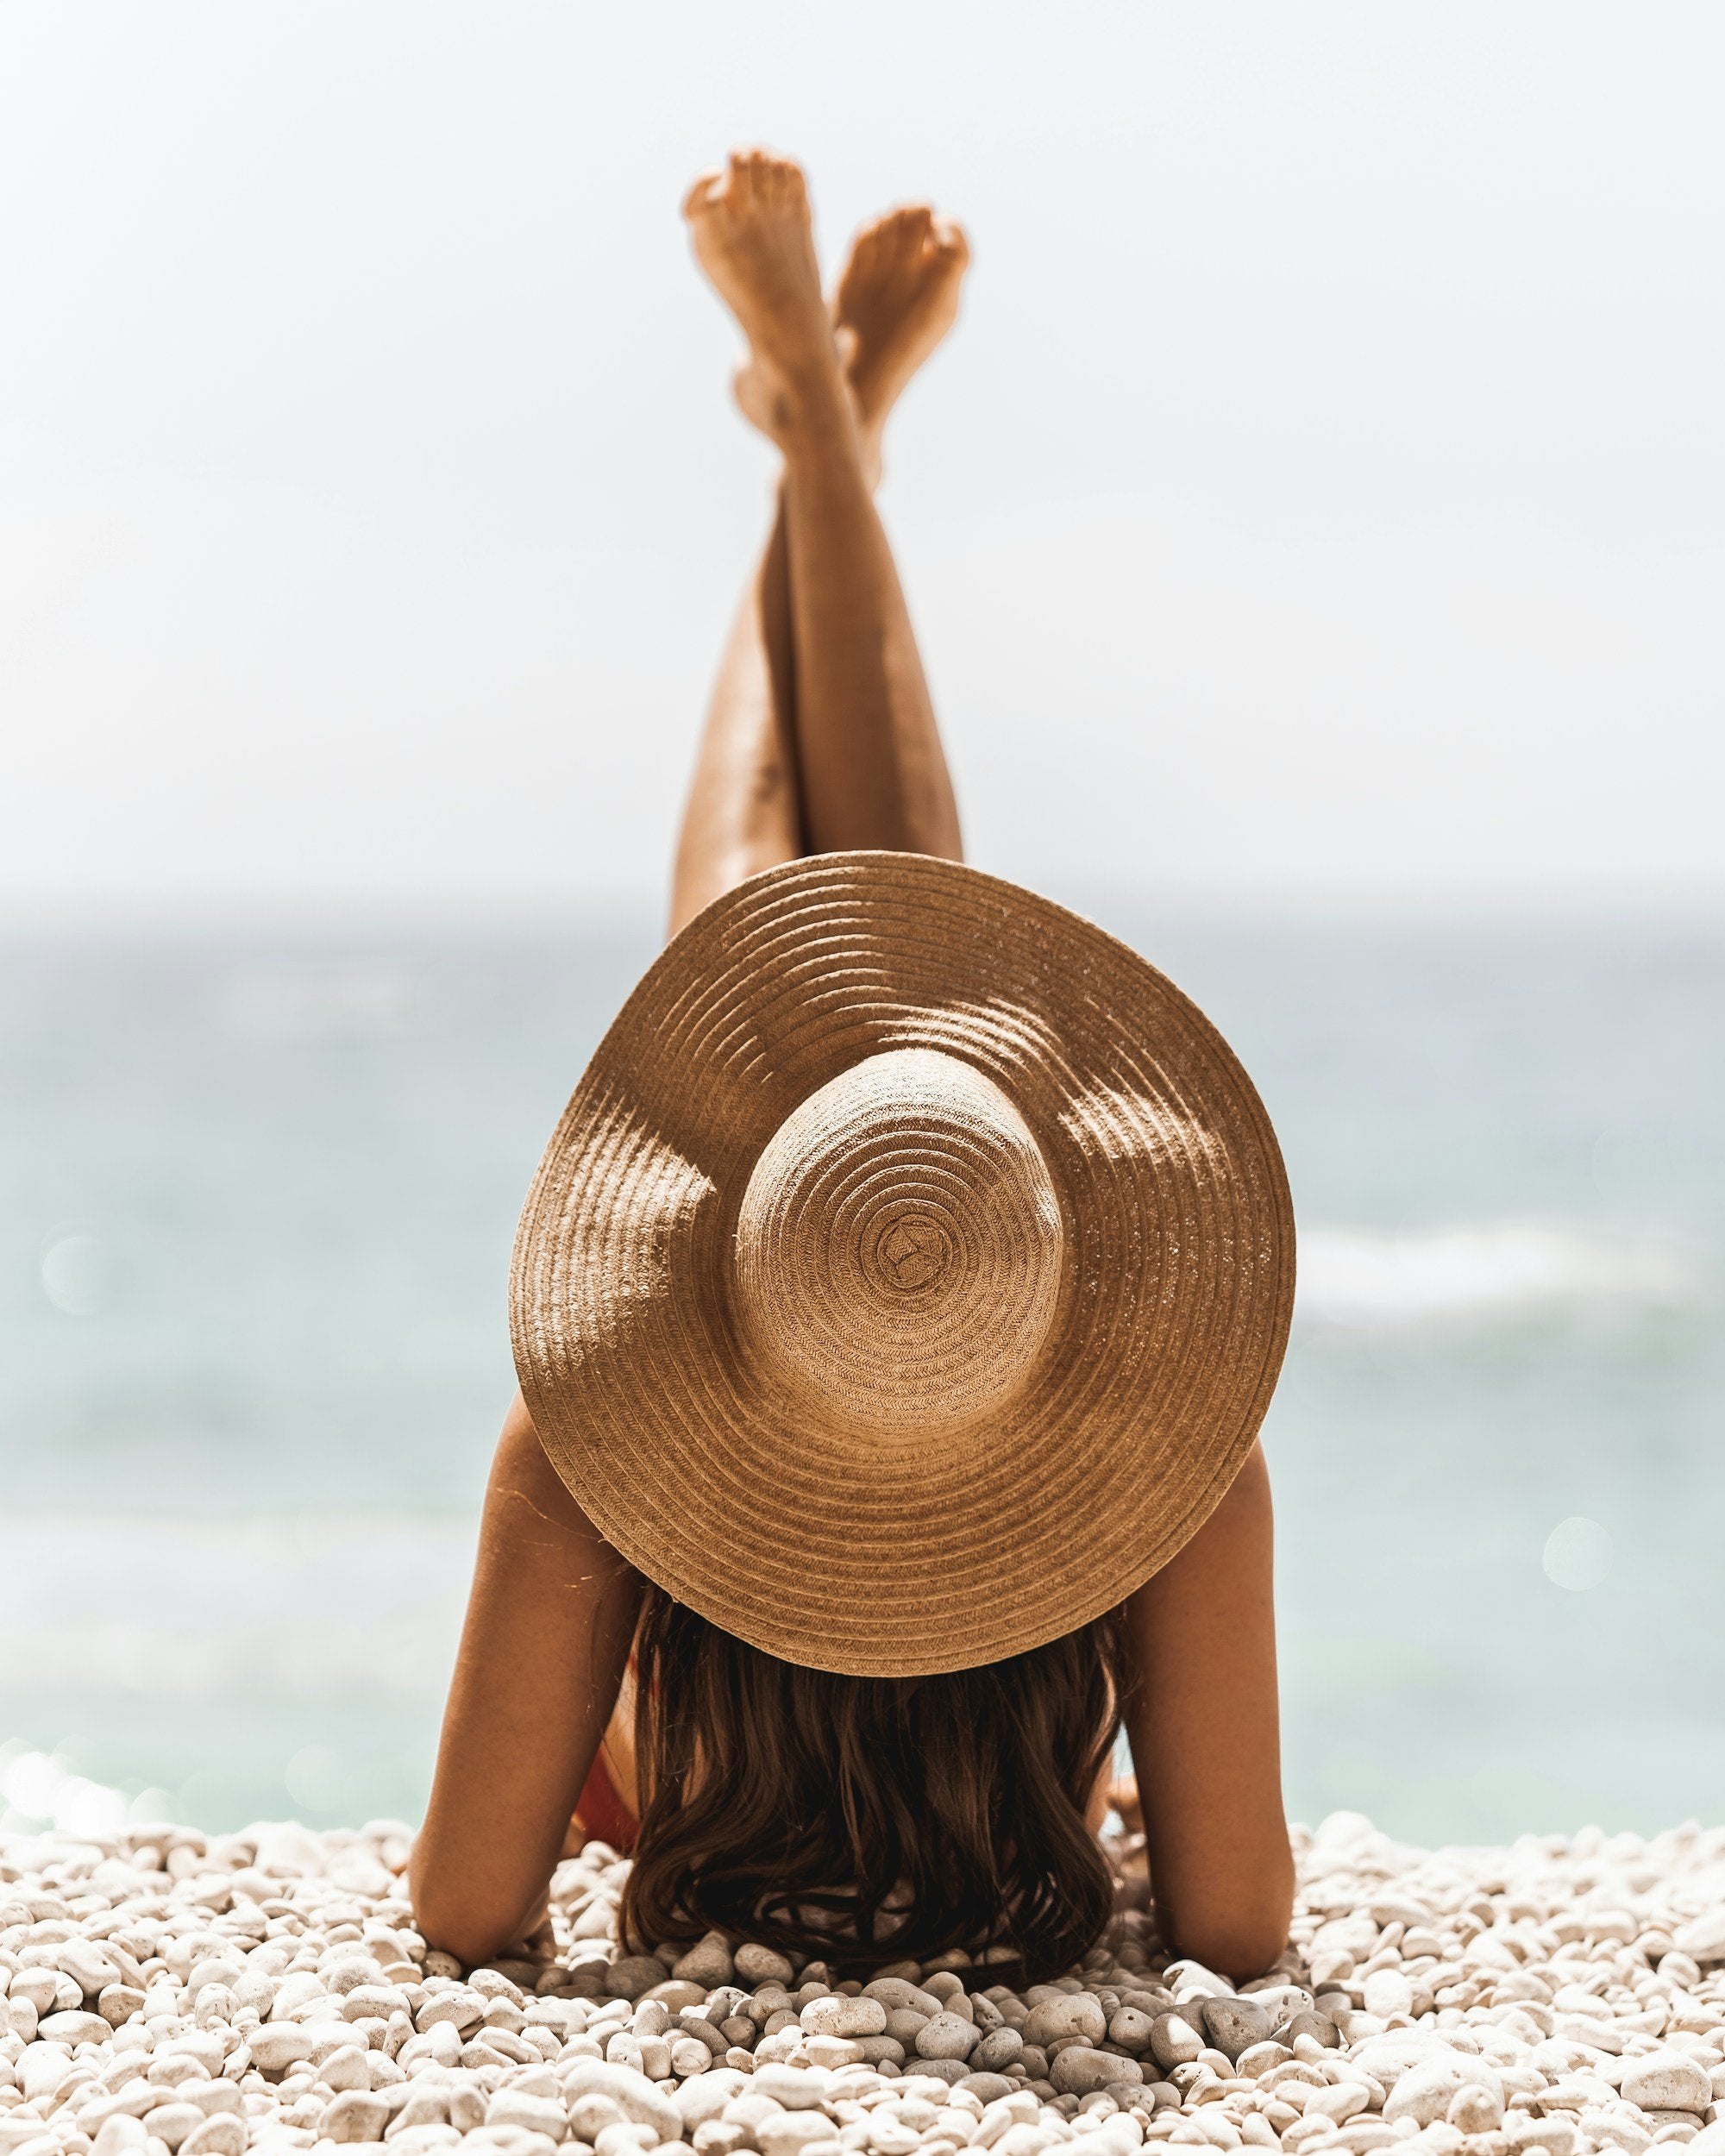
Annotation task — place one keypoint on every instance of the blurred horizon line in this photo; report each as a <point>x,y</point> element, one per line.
<point>1691,902</point>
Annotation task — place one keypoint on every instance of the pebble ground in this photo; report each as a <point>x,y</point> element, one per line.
<point>172,1993</point>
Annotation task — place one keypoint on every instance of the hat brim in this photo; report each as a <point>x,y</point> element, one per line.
<point>1175,1301</point>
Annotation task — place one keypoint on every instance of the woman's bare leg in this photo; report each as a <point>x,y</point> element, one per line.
<point>866,754</point>
<point>743,812</point>
<point>873,770</point>
<point>896,298</point>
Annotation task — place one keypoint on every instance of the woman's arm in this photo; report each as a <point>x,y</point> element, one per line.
<point>1206,1741</point>
<point>549,1627</point>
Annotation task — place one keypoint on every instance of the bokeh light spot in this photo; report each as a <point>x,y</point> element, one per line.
<point>315,1779</point>
<point>74,1276</point>
<point>1579,1554</point>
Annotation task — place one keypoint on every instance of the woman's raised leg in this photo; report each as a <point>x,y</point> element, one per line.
<point>744,813</point>
<point>895,300</point>
<point>866,754</point>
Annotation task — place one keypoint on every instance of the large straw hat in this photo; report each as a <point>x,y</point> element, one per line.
<point>909,1275</point>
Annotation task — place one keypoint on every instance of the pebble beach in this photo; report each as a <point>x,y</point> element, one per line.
<point>174,1994</point>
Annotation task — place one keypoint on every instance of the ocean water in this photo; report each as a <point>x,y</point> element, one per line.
<point>257,1189</point>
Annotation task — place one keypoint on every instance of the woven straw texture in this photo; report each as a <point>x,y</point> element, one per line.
<point>908,1275</point>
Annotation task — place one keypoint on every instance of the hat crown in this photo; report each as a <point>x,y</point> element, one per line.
<point>898,1249</point>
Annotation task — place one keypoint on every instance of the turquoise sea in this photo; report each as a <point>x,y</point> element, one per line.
<point>257,1188</point>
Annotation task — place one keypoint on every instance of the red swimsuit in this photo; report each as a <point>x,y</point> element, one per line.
<point>602,1811</point>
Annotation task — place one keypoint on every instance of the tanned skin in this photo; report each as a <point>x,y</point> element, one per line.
<point>820,736</point>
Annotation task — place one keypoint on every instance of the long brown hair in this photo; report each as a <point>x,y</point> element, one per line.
<point>868,1821</point>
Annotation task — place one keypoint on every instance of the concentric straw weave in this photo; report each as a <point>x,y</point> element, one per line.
<point>909,1274</point>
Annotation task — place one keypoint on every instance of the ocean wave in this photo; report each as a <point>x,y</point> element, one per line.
<point>1358,1279</point>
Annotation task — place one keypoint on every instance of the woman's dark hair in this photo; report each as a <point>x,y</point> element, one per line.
<point>865,1820</point>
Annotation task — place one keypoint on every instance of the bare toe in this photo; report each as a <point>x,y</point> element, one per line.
<point>949,237</point>
<point>702,193</point>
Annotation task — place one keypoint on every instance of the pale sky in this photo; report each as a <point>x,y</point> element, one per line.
<point>1323,487</point>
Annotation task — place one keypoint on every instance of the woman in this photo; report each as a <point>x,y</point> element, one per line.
<point>889,1763</point>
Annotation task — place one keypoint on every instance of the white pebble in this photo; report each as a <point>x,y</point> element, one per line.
<point>347,2067</point>
<point>75,2027</point>
<point>795,2132</point>
<point>42,2068</point>
<point>118,2135</point>
<point>1666,2081</point>
<point>1475,2110</point>
<point>947,2036</point>
<point>39,1986</point>
<point>275,2046</point>
<point>538,2114</point>
<point>838,2016</point>
<point>89,1964</point>
<point>1079,2014</point>
<point>222,2133</point>
<point>172,2123</point>
<point>1079,2071</point>
<point>354,2115</point>
<point>461,2009</point>
<point>1388,1993</point>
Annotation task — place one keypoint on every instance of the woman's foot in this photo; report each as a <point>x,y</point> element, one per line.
<point>754,237</point>
<point>896,298</point>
